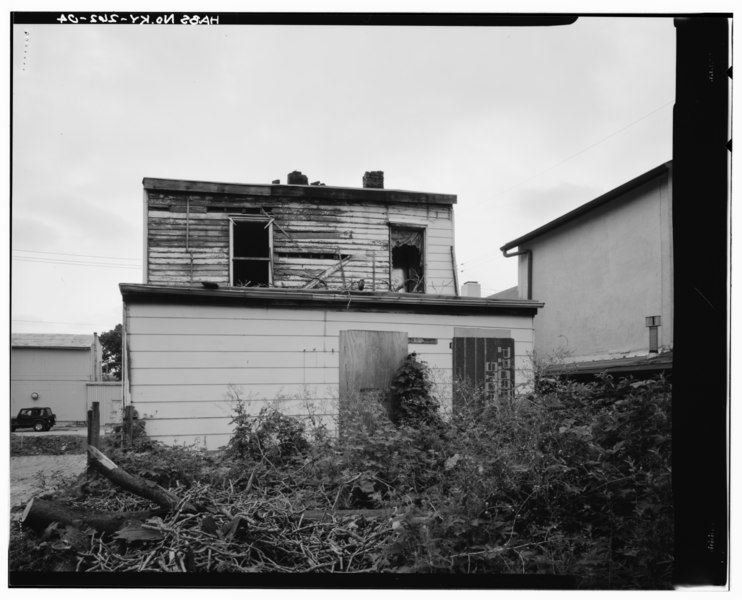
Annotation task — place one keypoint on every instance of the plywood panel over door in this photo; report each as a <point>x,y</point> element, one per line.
<point>482,367</point>
<point>368,361</point>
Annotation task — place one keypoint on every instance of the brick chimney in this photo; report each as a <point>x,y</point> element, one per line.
<point>297,178</point>
<point>373,179</point>
<point>472,289</point>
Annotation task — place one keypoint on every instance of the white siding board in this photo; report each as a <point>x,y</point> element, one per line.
<point>231,359</point>
<point>226,327</point>
<point>217,343</point>
<point>223,312</point>
<point>224,409</point>
<point>237,376</point>
<point>221,393</point>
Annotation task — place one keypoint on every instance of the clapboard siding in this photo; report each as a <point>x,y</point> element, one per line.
<point>234,359</point>
<point>216,410</point>
<point>186,362</point>
<point>186,243</point>
<point>215,343</point>
<point>182,394</point>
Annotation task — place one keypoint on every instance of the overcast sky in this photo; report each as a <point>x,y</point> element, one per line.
<point>522,124</point>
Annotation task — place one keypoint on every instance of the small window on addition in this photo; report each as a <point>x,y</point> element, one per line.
<point>407,259</point>
<point>251,251</point>
<point>653,323</point>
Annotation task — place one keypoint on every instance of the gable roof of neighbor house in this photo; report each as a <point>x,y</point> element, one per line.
<point>615,194</point>
<point>51,340</point>
<point>508,294</point>
<point>326,299</point>
<point>325,193</point>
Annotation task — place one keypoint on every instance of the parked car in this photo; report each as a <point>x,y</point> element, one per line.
<point>38,419</point>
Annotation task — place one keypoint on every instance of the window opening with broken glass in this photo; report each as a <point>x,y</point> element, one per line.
<point>252,252</point>
<point>407,259</point>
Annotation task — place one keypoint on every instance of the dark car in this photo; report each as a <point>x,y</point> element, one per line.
<point>38,419</point>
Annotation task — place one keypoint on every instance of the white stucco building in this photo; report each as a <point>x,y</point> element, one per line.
<point>604,272</point>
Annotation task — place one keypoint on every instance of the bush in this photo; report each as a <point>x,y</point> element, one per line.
<point>269,436</point>
<point>411,400</point>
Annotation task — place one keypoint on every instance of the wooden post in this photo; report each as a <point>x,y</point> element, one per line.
<point>90,426</point>
<point>89,474</point>
<point>128,426</point>
<point>95,426</point>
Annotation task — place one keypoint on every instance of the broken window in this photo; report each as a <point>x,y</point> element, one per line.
<point>407,259</point>
<point>251,248</point>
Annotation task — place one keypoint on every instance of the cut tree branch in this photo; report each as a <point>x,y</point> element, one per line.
<point>39,514</point>
<point>137,485</point>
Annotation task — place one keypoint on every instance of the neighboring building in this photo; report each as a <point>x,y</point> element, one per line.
<point>604,274</point>
<point>304,297</point>
<point>54,370</point>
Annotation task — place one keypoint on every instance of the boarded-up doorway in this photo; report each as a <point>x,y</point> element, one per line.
<point>368,361</point>
<point>483,366</point>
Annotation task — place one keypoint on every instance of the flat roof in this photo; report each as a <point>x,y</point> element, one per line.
<point>51,340</point>
<point>614,194</point>
<point>325,193</point>
<point>326,299</point>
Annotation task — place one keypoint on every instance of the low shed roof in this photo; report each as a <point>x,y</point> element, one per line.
<point>51,340</point>
<point>327,299</point>
<point>631,365</point>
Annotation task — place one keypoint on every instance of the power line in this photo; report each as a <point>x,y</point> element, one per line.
<point>52,261</point>
<point>586,148</point>
<point>53,322</point>
<point>561,162</point>
<point>81,255</point>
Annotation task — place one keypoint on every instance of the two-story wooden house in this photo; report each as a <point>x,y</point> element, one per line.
<point>302,296</point>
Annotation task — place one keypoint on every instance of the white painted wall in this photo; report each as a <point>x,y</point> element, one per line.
<point>186,363</point>
<point>601,275</point>
<point>109,396</point>
<point>58,376</point>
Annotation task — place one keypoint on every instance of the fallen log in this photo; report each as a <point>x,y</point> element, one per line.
<point>134,484</point>
<point>40,513</point>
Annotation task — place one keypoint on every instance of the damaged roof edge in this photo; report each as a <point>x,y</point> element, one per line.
<point>377,302</point>
<point>321,192</point>
<point>599,201</point>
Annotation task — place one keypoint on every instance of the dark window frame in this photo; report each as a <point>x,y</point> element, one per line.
<point>423,229</point>
<point>267,222</point>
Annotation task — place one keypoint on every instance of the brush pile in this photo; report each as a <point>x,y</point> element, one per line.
<point>571,481</point>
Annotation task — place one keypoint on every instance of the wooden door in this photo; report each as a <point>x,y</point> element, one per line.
<point>483,369</point>
<point>368,361</point>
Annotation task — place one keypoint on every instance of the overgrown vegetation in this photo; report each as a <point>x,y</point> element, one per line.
<point>573,479</point>
<point>46,444</point>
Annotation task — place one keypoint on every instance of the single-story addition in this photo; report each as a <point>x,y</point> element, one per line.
<point>191,351</point>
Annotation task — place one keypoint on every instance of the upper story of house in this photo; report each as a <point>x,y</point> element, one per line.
<point>299,236</point>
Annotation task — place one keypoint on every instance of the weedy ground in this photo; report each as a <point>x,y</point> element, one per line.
<point>573,479</point>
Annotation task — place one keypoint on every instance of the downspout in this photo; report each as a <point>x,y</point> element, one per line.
<point>529,278</point>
